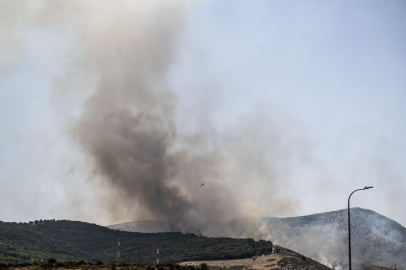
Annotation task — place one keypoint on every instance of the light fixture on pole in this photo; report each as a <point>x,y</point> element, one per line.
<point>349,224</point>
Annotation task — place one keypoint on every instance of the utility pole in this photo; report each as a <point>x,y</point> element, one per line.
<point>157,254</point>
<point>118,253</point>
<point>36,262</point>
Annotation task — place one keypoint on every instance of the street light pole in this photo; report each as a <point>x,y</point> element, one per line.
<point>349,223</point>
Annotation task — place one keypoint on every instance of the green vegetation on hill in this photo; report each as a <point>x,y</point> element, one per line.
<point>72,240</point>
<point>82,265</point>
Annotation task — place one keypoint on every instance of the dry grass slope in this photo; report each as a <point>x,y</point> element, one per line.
<point>282,259</point>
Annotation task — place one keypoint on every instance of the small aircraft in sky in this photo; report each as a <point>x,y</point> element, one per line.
<point>202,185</point>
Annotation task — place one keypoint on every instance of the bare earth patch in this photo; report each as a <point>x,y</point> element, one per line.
<point>282,258</point>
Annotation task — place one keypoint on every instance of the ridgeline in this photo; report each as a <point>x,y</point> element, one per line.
<point>73,240</point>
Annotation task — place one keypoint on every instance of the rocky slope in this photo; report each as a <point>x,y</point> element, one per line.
<point>376,240</point>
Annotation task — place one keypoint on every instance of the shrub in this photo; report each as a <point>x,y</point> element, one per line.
<point>204,266</point>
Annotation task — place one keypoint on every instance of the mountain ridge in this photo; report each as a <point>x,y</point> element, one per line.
<point>65,240</point>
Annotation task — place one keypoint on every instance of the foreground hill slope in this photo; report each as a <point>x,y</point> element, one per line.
<point>72,240</point>
<point>281,259</point>
<point>376,239</point>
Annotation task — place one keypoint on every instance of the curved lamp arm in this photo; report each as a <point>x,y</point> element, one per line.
<point>349,223</point>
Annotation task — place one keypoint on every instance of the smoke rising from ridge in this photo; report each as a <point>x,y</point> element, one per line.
<point>128,125</point>
<point>123,140</point>
<point>129,129</point>
<point>112,71</point>
<point>143,151</point>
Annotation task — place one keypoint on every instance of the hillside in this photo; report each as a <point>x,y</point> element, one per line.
<point>376,239</point>
<point>281,259</point>
<point>143,226</point>
<point>72,240</point>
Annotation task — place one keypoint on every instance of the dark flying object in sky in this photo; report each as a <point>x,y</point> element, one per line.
<point>202,185</point>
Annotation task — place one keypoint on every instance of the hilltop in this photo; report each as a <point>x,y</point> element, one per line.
<point>73,240</point>
<point>71,243</point>
<point>376,239</point>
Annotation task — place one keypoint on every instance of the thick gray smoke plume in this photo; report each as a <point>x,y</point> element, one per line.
<point>149,158</point>
<point>129,126</point>
<point>146,146</point>
<point>129,129</point>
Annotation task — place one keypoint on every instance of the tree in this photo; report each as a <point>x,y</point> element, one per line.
<point>204,266</point>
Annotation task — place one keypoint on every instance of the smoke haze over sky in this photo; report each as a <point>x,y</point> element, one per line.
<point>117,112</point>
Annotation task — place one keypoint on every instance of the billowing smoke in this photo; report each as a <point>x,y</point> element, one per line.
<point>146,147</point>
<point>130,127</point>
<point>146,154</point>
<point>376,239</point>
<point>127,125</point>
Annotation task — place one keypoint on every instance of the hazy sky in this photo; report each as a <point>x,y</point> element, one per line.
<point>303,100</point>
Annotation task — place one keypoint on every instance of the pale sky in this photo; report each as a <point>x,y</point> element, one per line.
<point>318,88</point>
